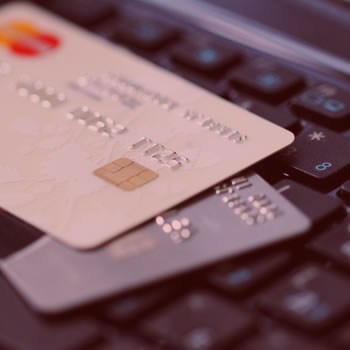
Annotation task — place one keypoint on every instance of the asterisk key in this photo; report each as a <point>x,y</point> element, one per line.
<point>317,136</point>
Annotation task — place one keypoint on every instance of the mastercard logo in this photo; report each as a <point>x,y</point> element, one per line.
<point>25,39</point>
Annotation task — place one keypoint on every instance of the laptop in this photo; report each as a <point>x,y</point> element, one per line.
<point>175,175</point>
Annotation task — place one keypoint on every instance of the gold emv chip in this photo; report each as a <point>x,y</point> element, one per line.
<point>126,174</point>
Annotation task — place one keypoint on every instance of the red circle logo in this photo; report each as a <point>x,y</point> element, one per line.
<point>25,39</point>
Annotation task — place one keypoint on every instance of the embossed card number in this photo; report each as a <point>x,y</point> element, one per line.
<point>160,154</point>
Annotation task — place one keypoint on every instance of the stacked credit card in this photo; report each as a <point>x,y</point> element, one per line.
<point>132,174</point>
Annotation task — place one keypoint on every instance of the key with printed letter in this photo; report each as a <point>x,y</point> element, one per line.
<point>305,299</point>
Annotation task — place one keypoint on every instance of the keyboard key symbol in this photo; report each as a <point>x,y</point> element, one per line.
<point>324,166</point>
<point>334,106</point>
<point>269,80</point>
<point>317,136</point>
<point>208,55</point>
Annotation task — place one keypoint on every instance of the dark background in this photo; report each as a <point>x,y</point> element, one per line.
<point>322,23</point>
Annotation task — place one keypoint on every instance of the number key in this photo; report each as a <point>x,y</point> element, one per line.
<point>318,155</point>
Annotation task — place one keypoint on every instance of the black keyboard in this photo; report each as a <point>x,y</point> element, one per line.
<point>246,303</point>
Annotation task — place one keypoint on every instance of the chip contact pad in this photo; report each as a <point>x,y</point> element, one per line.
<point>126,174</point>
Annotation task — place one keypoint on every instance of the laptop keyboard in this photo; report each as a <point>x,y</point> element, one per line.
<point>294,295</point>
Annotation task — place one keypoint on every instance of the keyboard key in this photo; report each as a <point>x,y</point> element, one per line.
<point>144,33</point>
<point>24,330</point>
<point>266,80</point>
<point>345,3</point>
<point>15,235</point>
<point>215,86</point>
<point>203,56</point>
<point>318,157</point>
<point>86,13</point>
<point>134,305</point>
<point>317,206</point>
<point>325,104</point>
<point>278,339</point>
<point>305,298</point>
<point>198,321</point>
<point>335,244</point>
<point>341,338</point>
<point>124,343</point>
<point>241,277</point>
<point>344,192</point>
<point>275,115</point>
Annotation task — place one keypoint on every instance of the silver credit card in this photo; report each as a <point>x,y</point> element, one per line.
<point>237,216</point>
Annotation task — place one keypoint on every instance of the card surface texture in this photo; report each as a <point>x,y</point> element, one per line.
<point>237,216</point>
<point>96,141</point>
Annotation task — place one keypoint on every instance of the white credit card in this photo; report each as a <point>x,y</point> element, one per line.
<point>95,140</point>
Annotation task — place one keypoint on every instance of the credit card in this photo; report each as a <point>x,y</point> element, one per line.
<point>239,215</point>
<point>96,141</point>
